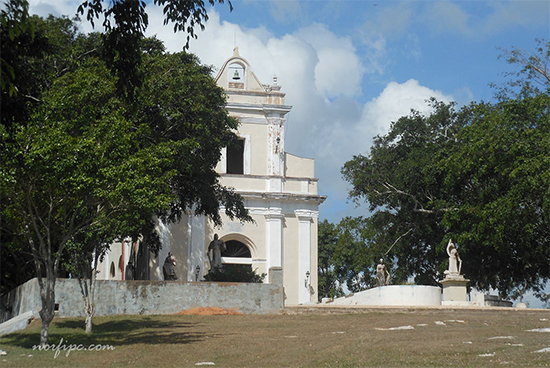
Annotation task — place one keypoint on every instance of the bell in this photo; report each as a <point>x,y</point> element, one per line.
<point>236,75</point>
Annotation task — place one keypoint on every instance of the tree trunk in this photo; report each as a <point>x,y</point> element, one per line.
<point>87,297</point>
<point>43,261</point>
<point>90,310</point>
<point>45,333</point>
<point>87,288</point>
<point>90,307</point>
<point>47,312</point>
<point>89,325</point>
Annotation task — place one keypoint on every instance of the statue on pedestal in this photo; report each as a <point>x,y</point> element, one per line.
<point>381,271</point>
<point>455,263</point>
<point>168,268</point>
<point>454,284</point>
<point>216,248</point>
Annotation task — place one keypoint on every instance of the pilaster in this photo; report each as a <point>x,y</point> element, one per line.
<point>305,271</point>
<point>274,239</point>
<point>196,248</point>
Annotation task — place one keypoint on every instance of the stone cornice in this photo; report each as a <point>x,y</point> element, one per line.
<point>266,177</point>
<point>306,214</point>
<point>266,93</point>
<point>282,109</point>
<point>304,197</point>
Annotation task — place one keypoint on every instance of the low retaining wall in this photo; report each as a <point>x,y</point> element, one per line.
<point>24,298</point>
<point>151,297</point>
<point>401,295</point>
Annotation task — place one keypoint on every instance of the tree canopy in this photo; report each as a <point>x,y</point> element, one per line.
<point>84,162</point>
<point>500,181</point>
<point>125,23</point>
<point>401,179</point>
<point>479,175</point>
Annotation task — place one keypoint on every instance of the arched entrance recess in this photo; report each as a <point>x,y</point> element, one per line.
<point>239,250</point>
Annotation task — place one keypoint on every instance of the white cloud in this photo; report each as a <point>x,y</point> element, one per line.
<point>395,101</point>
<point>339,71</point>
<point>321,74</point>
<point>412,46</point>
<point>57,8</point>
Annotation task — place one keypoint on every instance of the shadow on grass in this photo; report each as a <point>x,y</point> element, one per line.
<point>116,332</point>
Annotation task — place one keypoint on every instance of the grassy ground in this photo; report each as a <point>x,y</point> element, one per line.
<point>296,338</point>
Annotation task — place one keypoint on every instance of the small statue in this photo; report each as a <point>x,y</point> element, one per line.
<point>129,272</point>
<point>168,268</point>
<point>216,246</point>
<point>454,260</point>
<point>381,271</point>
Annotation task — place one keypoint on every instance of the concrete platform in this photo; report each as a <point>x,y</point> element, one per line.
<point>358,309</point>
<point>397,295</point>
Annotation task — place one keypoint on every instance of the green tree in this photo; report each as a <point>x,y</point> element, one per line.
<point>402,181</point>
<point>84,159</point>
<point>125,23</point>
<point>500,178</point>
<point>13,22</point>
<point>35,51</point>
<point>85,251</point>
<point>76,165</point>
<point>478,176</point>
<point>348,255</point>
<point>182,107</point>
<point>533,76</point>
<point>329,286</point>
<point>181,110</point>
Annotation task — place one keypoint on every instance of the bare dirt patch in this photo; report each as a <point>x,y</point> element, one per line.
<point>210,311</point>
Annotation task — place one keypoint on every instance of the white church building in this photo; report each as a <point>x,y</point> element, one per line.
<point>279,190</point>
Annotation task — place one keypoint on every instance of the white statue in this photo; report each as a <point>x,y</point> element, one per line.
<point>381,271</point>
<point>455,263</point>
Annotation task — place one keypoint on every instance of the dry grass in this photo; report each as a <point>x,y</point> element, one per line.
<point>297,338</point>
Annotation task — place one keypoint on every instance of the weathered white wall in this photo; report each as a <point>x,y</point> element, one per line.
<point>151,297</point>
<point>406,295</point>
<point>299,167</point>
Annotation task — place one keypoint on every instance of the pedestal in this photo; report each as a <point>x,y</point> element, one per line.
<point>454,289</point>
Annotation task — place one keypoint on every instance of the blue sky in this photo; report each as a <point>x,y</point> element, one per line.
<point>350,68</point>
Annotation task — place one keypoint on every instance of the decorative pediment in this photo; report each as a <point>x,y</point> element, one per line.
<point>236,74</point>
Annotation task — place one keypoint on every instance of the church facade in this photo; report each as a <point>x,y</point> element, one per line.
<point>279,190</point>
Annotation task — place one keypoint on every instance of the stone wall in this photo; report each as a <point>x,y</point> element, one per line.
<point>150,297</point>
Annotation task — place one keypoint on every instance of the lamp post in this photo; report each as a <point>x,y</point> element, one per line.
<point>197,272</point>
